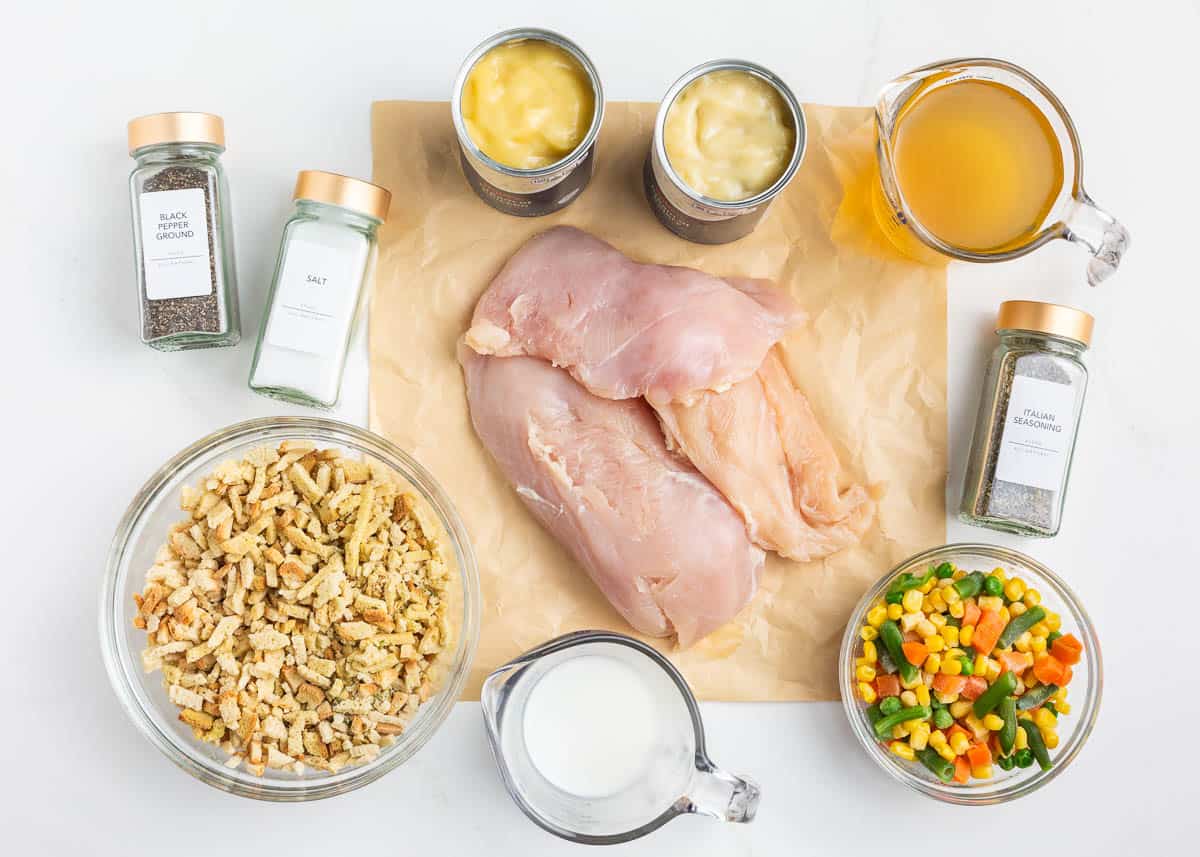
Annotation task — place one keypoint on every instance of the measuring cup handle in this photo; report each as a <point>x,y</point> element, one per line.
<point>722,796</point>
<point>1098,231</point>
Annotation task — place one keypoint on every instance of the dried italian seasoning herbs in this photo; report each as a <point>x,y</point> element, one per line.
<point>182,235</point>
<point>1024,438</point>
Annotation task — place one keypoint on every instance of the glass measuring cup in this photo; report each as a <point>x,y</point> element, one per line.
<point>676,778</point>
<point>1072,216</point>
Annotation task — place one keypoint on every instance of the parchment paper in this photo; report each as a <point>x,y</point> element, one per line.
<point>872,361</point>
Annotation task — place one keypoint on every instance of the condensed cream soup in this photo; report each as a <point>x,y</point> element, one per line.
<point>729,135</point>
<point>527,104</point>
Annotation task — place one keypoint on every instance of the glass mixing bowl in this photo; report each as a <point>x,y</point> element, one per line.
<point>1084,690</point>
<point>144,528</point>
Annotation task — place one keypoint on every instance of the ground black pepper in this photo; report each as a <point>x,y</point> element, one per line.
<point>202,313</point>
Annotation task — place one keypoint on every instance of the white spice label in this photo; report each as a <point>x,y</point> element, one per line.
<point>175,247</point>
<point>1037,433</point>
<point>314,302</point>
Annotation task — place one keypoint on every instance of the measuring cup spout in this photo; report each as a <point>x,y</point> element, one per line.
<point>722,796</point>
<point>1094,228</point>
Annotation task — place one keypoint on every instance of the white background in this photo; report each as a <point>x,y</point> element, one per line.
<point>89,412</point>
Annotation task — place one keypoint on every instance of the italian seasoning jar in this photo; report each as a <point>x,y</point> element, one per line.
<point>1033,393</point>
<point>325,261</point>
<point>182,232</point>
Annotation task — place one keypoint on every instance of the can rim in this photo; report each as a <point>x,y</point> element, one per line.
<point>559,41</point>
<point>799,121</point>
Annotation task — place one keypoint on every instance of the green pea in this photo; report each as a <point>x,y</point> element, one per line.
<point>943,571</point>
<point>943,719</point>
<point>890,705</point>
<point>968,665</point>
<point>1006,763</point>
<point>1023,758</point>
<point>993,586</point>
<point>1051,637</point>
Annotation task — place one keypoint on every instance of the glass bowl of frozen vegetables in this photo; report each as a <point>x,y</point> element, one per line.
<point>971,673</point>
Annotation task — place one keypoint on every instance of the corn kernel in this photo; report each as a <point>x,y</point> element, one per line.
<point>1032,598</point>
<point>938,619</point>
<point>954,653</point>
<point>934,643</point>
<point>933,663</point>
<point>928,585</point>
<point>951,597</point>
<point>900,731</point>
<point>894,612</point>
<point>947,753</point>
<point>1023,643</point>
<point>865,673</point>
<point>1063,707</point>
<point>957,610</point>
<point>950,635</point>
<point>1053,621</point>
<point>909,621</point>
<point>1030,679</point>
<point>1051,739</point>
<point>859,662</point>
<point>870,652</point>
<point>868,633</point>
<point>965,634</point>
<point>1037,644</point>
<point>876,615</point>
<point>1025,715</point>
<point>903,751</point>
<point>993,670</point>
<point>999,574</point>
<point>922,695</point>
<point>1045,720</point>
<point>937,739</point>
<point>1022,740</point>
<point>975,724</point>
<point>993,722</point>
<point>959,574</point>
<point>1060,696</point>
<point>951,667</point>
<point>867,692</point>
<point>959,742</point>
<point>1016,608</point>
<point>990,602</point>
<point>1005,616</point>
<point>1015,589</point>
<point>911,601</point>
<point>925,628</point>
<point>980,665</point>
<point>918,738</point>
<point>1020,688</point>
<point>947,698</point>
<point>909,698</point>
<point>960,709</point>
<point>982,772</point>
<point>910,685</point>
<point>1041,629</point>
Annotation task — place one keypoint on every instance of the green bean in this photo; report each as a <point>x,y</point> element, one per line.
<point>943,571</point>
<point>943,719</point>
<point>1036,697</point>
<point>890,705</point>
<point>970,585</point>
<point>942,769</point>
<point>873,713</point>
<point>893,641</point>
<point>894,597</point>
<point>1051,707</point>
<point>908,581</point>
<point>1051,637</point>
<point>1018,625</point>
<point>884,726</point>
<point>1004,685</point>
<point>1008,732</point>
<point>1037,745</point>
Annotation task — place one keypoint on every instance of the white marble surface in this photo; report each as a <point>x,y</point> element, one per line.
<point>89,412</point>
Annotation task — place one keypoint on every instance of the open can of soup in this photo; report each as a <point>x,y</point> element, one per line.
<point>525,189</point>
<point>687,210</point>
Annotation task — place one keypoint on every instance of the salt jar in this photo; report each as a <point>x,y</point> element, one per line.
<point>325,261</point>
<point>1020,461</point>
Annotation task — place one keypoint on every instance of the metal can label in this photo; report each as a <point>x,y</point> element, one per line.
<point>696,226</point>
<point>540,199</point>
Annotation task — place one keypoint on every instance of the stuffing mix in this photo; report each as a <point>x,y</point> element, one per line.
<point>298,613</point>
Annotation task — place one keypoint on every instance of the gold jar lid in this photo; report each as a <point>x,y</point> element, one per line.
<point>176,128</point>
<point>1054,319</point>
<point>334,189</point>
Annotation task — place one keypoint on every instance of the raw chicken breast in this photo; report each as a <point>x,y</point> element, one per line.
<point>761,445</point>
<point>624,329</point>
<point>662,544</point>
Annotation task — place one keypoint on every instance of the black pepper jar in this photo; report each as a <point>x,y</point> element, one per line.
<point>182,232</point>
<point>1020,462</point>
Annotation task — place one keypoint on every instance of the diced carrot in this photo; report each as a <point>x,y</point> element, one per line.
<point>979,755</point>
<point>975,686</point>
<point>1015,662</point>
<point>987,631</point>
<point>1067,649</point>
<point>962,770</point>
<point>1049,670</point>
<point>915,652</point>
<point>948,684</point>
<point>971,612</point>
<point>1068,673</point>
<point>887,685</point>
